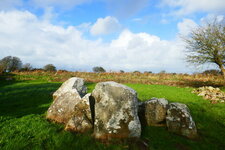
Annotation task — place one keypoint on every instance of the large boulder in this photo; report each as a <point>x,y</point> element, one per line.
<point>65,99</point>
<point>155,111</point>
<point>179,120</point>
<point>116,109</point>
<point>71,85</point>
<point>82,120</point>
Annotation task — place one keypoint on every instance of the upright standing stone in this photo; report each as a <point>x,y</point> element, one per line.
<point>65,99</point>
<point>116,108</point>
<point>179,120</point>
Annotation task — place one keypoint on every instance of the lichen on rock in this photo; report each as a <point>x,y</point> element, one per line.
<point>115,111</point>
<point>73,84</point>
<point>179,120</point>
<point>65,99</point>
<point>81,120</point>
<point>155,111</point>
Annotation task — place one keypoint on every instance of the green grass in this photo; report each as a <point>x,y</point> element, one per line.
<point>209,118</point>
<point>23,105</point>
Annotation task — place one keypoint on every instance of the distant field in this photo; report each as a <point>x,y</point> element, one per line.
<point>182,80</point>
<point>25,99</point>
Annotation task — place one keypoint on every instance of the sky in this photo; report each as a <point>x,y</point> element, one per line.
<point>128,35</point>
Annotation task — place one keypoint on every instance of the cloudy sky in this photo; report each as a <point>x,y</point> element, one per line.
<point>115,34</point>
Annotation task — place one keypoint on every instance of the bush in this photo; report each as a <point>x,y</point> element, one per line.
<point>26,67</point>
<point>136,71</point>
<point>62,70</point>
<point>148,72</point>
<point>98,69</point>
<point>49,67</point>
<point>37,69</point>
<point>212,72</point>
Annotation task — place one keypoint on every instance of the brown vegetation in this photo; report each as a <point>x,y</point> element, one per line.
<point>195,80</point>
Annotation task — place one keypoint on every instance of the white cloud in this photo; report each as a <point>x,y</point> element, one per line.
<point>146,52</point>
<point>105,25</point>
<point>39,42</point>
<point>186,26</point>
<point>183,7</point>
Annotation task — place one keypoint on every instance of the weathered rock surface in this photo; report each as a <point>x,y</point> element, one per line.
<point>70,85</point>
<point>112,110</point>
<point>155,111</point>
<point>65,99</point>
<point>81,121</point>
<point>215,95</point>
<point>116,109</point>
<point>62,107</point>
<point>179,120</point>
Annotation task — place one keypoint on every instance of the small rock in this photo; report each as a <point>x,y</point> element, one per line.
<point>215,95</point>
<point>9,79</point>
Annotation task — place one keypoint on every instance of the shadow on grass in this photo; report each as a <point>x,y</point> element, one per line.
<point>22,125</point>
<point>23,98</point>
<point>197,84</point>
<point>7,79</point>
<point>17,100</point>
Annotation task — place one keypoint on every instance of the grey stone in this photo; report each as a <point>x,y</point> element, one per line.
<point>81,121</point>
<point>65,99</point>
<point>179,120</point>
<point>69,85</point>
<point>116,109</point>
<point>62,107</point>
<point>155,111</point>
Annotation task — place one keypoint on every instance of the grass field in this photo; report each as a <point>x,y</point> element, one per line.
<point>23,105</point>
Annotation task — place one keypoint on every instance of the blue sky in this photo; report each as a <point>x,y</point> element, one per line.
<point>116,34</point>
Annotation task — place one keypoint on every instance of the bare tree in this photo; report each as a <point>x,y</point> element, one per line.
<point>5,63</point>
<point>10,63</point>
<point>16,64</point>
<point>206,44</point>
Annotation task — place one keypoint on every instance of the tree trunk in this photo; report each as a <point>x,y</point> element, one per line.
<point>223,71</point>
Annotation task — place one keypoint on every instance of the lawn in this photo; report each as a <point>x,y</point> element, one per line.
<point>23,105</point>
